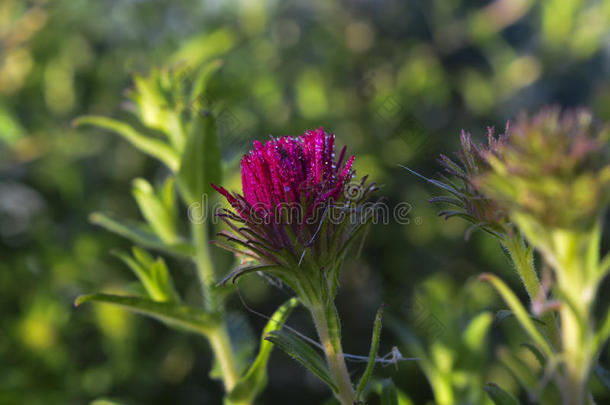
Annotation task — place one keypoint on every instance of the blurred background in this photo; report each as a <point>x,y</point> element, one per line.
<point>395,80</point>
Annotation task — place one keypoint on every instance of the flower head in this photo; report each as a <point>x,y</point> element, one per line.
<point>466,198</point>
<point>553,169</point>
<point>299,210</point>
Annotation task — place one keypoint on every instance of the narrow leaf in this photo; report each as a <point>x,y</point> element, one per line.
<point>255,379</point>
<point>370,366</point>
<point>153,209</point>
<point>146,144</point>
<point>200,163</point>
<point>302,352</point>
<point>499,396</point>
<point>140,236</point>
<point>173,315</point>
<point>475,333</point>
<point>519,311</point>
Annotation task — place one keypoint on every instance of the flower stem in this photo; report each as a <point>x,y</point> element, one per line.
<point>219,339</point>
<point>328,326</point>
<point>576,359</point>
<point>524,265</point>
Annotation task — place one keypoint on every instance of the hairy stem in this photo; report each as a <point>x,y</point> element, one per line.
<point>219,337</point>
<point>328,326</point>
<point>524,265</point>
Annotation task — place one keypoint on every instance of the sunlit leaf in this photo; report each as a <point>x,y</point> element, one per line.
<point>174,315</point>
<point>146,144</point>
<point>139,235</point>
<point>520,312</point>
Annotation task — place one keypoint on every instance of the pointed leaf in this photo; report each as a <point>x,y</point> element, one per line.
<point>201,82</point>
<point>255,379</point>
<point>499,396</point>
<point>153,209</point>
<point>173,315</point>
<point>200,163</point>
<point>302,352</point>
<point>534,350</point>
<point>519,311</point>
<point>151,146</point>
<point>137,234</point>
<point>475,333</point>
<point>370,366</point>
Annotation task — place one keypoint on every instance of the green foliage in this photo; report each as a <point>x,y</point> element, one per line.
<point>174,315</point>
<point>153,274</point>
<point>393,82</point>
<point>200,163</point>
<point>301,351</point>
<point>499,396</point>
<point>255,378</point>
<point>370,365</point>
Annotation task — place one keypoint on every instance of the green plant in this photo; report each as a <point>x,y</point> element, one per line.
<point>543,185</point>
<point>295,221</point>
<point>164,104</point>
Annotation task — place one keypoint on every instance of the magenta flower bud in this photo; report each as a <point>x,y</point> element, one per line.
<point>299,211</point>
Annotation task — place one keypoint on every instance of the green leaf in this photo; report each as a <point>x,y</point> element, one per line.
<point>370,366</point>
<point>255,379</point>
<point>302,352</point>
<point>499,396</point>
<point>153,147</point>
<point>157,214</point>
<point>140,236</point>
<point>475,333</point>
<point>200,163</point>
<point>153,274</point>
<point>534,350</point>
<point>173,315</point>
<point>519,311</point>
<point>201,82</point>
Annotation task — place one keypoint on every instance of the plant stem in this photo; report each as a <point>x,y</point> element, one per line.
<point>221,345</point>
<point>219,337</point>
<point>205,269</point>
<point>524,266</point>
<point>328,326</point>
<point>576,359</point>
<point>576,328</point>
